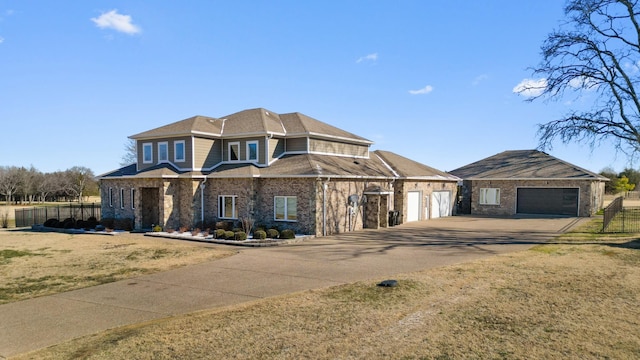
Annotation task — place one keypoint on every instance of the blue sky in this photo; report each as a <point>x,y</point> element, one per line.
<point>430,80</point>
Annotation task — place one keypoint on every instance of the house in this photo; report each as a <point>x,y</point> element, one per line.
<point>528,182</point>
<point>279,170</point>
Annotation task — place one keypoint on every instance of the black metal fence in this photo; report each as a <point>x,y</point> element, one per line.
<point>40,214</point>
<point>611,211</point>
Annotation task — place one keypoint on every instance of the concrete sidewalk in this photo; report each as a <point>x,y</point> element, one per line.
<point>258,273</point>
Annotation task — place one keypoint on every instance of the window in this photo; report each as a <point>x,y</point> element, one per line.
<point>121,198</point>
<point>234,151</point>
<point>252,151</point>
<point>110,197</point>
<point>178,151</point>
<point>285,208</point>
<point>489,196</point>
<point>227,207</point>
<point>133,198</point>
<point>163,151</point>
<point>147,153</point>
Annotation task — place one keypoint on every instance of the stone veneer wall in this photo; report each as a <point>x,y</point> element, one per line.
<point>305,191</point>
<point>426,187</point>
<point>591,194</point>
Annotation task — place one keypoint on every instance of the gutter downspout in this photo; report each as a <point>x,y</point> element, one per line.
<point>324,206</point>
<point>202,186</point>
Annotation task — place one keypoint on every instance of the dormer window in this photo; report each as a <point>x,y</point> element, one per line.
<point>234,151</point>
<point>163,152</point>
<point>252,151</point>
<point>147,153</point>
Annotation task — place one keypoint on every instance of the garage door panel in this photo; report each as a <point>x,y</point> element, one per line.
<point>548,201</point>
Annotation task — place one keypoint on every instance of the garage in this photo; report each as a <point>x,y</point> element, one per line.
<point>413,206</point>
<point>548,201</point>
<point>440,204</point>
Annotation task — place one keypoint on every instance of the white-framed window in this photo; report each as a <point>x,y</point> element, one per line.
<point>489,196</point>
<point>110,197</point>
<point>147,153</point>
<point>163,151</point>
<point>121,198</point>
<point>133,198</point>
<point>178,151</point>
<point>252,150</point>
<point>227,207</point>
<point>234,151</point>
<point>285,208</point>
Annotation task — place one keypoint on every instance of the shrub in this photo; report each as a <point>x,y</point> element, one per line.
<point>80,224</point>
<point>123,224</point>
<point>260,234</point>
<point>157,228</point>
<point>220,234</point>
<point>107,223</point>
<point>69,223</point>
<point>240,235</point>
<point>273,234</point>
<point>236,229</point>
<point>91,222</point>
<point>229,235</point>
<point>52,223</point>
<point>287,234</point>
<point>225,225</point>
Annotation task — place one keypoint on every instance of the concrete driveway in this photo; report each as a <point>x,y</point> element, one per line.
<point>256,273</point>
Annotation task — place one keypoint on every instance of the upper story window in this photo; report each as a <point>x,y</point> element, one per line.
<point>489,196</point>
<point>178,151</point>
<point>234,151</point>
<point>121,198</point>
<point>252,151</point>
<point>163,151</point>
<point>111,197</point>
<point>147,153</point>
<point>133,198</point>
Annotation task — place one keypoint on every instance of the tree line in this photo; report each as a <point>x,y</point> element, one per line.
<point>22,185</point>
<point>626,180</point>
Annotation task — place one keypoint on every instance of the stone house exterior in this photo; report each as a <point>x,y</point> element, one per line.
<point>528,182</point>
<point>279,170</point>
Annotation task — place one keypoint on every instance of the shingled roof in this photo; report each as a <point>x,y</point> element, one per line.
<point>380,165</point>
<point>523,165</point>
<point>252,122</point>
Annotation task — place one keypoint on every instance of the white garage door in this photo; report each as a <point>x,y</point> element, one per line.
<point>413,206</point>
<point>440,204</point>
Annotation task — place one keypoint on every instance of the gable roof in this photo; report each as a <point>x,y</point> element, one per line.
<point>524,165</point>
<point>252,122</point>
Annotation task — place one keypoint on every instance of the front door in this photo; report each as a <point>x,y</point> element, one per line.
<point>413,206</point>
<point>150,207</point>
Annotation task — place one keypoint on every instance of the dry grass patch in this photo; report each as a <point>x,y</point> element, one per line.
<point>36,264</point>
<point>577,300</point>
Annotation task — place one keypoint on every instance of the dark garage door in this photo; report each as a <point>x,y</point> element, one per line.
<point>550,201</point>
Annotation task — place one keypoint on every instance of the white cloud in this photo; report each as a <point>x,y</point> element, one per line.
<point>370,57</point>
<point>479,79</point>
<point>115,21</point>
<point>1,39</point>
<point>425,90</point>
<point>583,82</point>
<point>531,87</point>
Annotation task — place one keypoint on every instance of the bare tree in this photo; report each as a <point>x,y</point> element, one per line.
<point>78,179</point>
<point>595,52</point>
<point>130,153</point>
<point>9,181</point>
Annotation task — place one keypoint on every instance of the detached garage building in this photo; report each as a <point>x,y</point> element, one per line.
<point>528,182</point>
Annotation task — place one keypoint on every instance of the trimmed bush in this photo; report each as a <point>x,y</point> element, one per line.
<point>260,234</point>
<point>52,223</point>
<point>229,235</point>
<point>240,235</point>
<point>220,234</point>
<point>273,234</point>
<point>287,234</point>
<point>157,228</point>
<point>107,222</point>
<point>69,223</point>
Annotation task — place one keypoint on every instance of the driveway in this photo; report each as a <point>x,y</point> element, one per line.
<point>256,273</point>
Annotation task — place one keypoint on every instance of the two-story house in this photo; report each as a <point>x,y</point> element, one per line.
<point>279,170</point>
